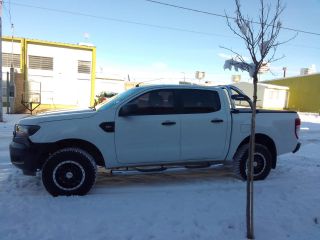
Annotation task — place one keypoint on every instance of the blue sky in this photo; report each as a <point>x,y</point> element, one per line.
<point>124,47</point>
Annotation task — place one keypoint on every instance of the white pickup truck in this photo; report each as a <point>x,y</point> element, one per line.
<point>151,128</point>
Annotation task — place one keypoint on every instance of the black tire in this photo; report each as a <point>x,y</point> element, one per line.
<point>69,171</point>
<point>262,162</point>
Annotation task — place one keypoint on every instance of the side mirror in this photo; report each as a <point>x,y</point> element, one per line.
<point>128,109</point>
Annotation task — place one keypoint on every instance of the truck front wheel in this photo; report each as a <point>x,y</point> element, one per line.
<point>261,165</point>
<point>69,171</point>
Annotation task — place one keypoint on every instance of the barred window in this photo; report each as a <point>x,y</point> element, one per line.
<point>8,58</point>
<point>40,63</point>
<point>84,66</point>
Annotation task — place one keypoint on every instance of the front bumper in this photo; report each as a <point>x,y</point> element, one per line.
<point>28,156</point>
<point>297,147</point>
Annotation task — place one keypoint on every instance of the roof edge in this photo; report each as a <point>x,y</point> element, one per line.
<point>48,43</point>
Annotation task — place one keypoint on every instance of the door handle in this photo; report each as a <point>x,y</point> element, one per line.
<point>216,120</point>
<point>168,123</point>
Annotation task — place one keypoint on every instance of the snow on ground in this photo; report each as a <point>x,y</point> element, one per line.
<point>177,204</point>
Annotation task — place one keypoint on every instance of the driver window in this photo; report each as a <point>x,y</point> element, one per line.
<point>157,102</point>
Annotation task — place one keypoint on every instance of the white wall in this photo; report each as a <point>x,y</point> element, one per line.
<point>275,98</point>
<point>9,47</point>
<point>63,85</point>
<point>247,88</point>
<point>269,96</point>
<point>103,85</point>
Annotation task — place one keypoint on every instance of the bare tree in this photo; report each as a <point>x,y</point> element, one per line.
<point>261,41</point>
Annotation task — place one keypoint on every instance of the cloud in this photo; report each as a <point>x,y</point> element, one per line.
<point>225,56</point>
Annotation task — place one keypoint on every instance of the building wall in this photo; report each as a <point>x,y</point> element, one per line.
<point>109,86</point>
<point>19,89</point>
<point>247,88</point>
<point>268,96</point>
<point>304,92</point>
<point>62,86</point>
<point>275,98</point>
<point>9,47</point>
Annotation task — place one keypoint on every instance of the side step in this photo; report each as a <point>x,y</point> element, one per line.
<point>151,169</point>
<point>198,165</point>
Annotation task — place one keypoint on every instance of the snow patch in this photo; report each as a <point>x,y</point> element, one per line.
<point>177,204</point>
<point>239,65</point>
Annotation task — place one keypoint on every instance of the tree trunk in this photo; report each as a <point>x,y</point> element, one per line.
<point>250,232</point>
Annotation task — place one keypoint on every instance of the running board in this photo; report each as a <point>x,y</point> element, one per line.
<point>150,169</point>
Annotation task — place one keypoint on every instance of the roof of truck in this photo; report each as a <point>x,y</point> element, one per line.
<point>180,86</point>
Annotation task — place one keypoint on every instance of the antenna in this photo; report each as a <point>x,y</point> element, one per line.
<point>12,36</point>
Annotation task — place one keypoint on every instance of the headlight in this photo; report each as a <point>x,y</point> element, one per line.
<point>25,130</point>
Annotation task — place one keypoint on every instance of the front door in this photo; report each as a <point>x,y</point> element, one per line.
<point>150,132</point>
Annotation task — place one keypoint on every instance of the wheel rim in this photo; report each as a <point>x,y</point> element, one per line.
<point>68,175</point>
<point>259,164</point>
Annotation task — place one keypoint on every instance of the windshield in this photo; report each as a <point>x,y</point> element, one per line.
<point>116,99</point>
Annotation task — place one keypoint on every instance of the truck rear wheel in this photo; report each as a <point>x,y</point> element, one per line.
<point>69,171</point>
<point>261,165</point>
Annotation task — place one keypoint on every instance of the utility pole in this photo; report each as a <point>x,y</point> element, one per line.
<point>184,76</point>
<point>284,71</point>
<point>1,103</point>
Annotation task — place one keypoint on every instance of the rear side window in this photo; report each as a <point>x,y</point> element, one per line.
<point>199,101</point>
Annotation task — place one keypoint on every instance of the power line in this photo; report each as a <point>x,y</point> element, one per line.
<point>119,20</point>
<point>12,28</point>
<point>153,25</point>
<point>6,12</point>
<point>9,11</point>
<point>134,22</point>
<point>188,9</point>
<point>223,16</point>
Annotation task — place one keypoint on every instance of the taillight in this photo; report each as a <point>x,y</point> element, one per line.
<point>297,124</point>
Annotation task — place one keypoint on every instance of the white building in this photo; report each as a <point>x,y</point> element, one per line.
<point>65,72</point>
<point>269,96</point>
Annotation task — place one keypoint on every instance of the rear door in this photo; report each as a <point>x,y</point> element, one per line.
<point>204,125</point>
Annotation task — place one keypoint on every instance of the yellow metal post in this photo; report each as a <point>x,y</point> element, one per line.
<point>93,77</point>
<point>24,54</point>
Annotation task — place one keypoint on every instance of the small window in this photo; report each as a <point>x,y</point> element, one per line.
<point>84,66</point>
<point>40,63</point>
<point>8,58</point>
<point>159,102</point>
<point>199,101</point>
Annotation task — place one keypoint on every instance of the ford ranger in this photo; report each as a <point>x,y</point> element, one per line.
<point>151,128</point>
